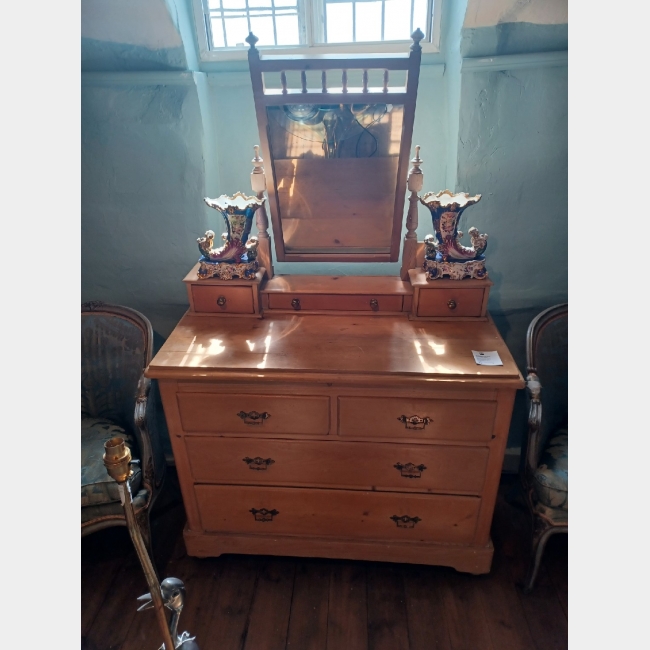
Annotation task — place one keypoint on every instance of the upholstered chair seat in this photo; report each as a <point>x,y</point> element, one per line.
<point>551,478</point>
<point>99,492</point>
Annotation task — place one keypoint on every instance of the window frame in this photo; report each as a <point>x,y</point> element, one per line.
<point>311,26</point>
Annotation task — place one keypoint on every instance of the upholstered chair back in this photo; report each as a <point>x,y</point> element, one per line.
<point>116,346</point>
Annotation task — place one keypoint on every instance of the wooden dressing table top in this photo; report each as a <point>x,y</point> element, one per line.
<point>332,348</point>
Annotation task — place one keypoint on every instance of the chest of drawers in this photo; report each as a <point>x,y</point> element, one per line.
<point>338,436</point>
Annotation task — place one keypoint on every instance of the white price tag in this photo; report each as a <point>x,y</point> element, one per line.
<point>491,358</point>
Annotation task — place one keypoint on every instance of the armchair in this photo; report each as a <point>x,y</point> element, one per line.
<point>544,470</point>
<point>116,347</point>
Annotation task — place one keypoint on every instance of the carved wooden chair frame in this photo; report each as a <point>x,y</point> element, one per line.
<point>543,527</point>
<point>153,469</point>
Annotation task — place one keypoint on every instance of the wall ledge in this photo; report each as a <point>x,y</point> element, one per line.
<point>515,61</point>
<point>137,78</point>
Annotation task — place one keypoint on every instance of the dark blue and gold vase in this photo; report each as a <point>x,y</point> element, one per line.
<point>237,258</point>
<point>445,255</point>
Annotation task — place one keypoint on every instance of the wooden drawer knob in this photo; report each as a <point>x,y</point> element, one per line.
<point>451,304</point>
<point>221,301</point>
<point>295,303</point>
<point>374,304</point>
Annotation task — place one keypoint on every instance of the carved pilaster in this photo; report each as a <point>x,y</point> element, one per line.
<point>414,183</point>
<point>258,184</point>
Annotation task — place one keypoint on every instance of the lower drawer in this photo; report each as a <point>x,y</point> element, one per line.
<point>418,468</point>
<point>337,513</point>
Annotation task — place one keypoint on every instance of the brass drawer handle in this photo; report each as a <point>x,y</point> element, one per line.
<point>258,463</point>
<point>253,417</point>
<point>295,303</point>
<point>264,514</point>
<point>409,470</point>
<point>405,521</point>
<point>415,421</point>
<point>451,304</point>
<point>374,304</point>
<point>221,301</point>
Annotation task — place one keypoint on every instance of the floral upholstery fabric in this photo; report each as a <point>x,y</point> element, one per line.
<point>98,489</point>
<point>551,479</point>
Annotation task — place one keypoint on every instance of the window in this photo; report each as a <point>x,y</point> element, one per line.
<point>313,25</point>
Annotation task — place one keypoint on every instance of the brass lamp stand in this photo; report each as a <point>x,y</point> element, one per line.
<point>171,594</point>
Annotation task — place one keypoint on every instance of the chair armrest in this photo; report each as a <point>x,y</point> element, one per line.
<point>141,422</point>
<point>534,391</point>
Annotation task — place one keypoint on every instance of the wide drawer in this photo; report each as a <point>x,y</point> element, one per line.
<point>260,414</point>
<point>467,420</point>
<point>337,513</point>
<point>335,302</point>
<point>360,465</point>
<point>450,302</point>
<point>227,300</point>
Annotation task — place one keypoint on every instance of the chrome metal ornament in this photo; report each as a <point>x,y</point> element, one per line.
<point>171,592</point>
<point>237,258</point>
<point>445,255</point>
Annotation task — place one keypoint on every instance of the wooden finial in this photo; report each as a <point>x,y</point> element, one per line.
<point>415,177</point>
<point>258,179</point>
<point>251,39</point>
<point>417,36</point>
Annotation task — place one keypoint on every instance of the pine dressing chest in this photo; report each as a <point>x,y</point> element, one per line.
<point>341,417</point>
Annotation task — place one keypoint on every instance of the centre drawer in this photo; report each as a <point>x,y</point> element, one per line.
<point>417,468</point>
<point>335,302</point>
<point>252,413</point>
<point>337,513</point>
<point>437,419</point>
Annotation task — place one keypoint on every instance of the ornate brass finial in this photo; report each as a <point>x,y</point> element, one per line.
<point>417,36</point>
<point>251,39</point>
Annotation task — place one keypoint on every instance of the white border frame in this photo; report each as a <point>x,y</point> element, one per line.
<point>206,55</point>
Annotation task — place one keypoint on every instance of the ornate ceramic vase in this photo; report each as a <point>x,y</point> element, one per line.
<point>445,255</point>
<point>237,258</point>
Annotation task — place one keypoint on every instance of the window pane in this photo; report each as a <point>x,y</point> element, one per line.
<point>287,30</point>
<point>339,23</point>
<point>368,21</point>
<point>420,16</point>
<point>234,4</point>
<point>397,20</point>
<point>217,33</point>
<point>236,31</point>
<point>260,3</point>
<point>214,4</point>
<point>262,27</point>
<point>286,3</point>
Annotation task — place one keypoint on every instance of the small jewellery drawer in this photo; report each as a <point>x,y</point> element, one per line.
<point>333,302</point>
<point>438,419</point>
<point>337,513</point>
<point>226,300</point>
<point>360,465</point>
<point>252,413</point>
<point>450,302</point>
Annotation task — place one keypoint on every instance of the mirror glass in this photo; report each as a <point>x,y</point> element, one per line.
<point>335,168</point>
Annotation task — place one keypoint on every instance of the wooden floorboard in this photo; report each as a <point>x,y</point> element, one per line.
<point>265,603</point>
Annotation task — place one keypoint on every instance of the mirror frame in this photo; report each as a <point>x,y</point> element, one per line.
<point>403,95</point>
